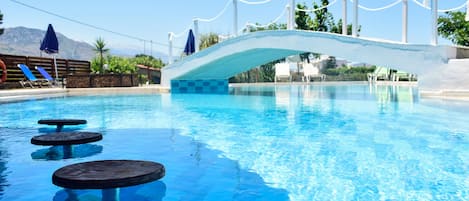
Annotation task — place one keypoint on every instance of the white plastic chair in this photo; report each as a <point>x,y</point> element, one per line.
<point>311,71</point>
<point>282,70</point>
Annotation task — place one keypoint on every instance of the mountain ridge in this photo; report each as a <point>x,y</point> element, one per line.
<point>26,41</point>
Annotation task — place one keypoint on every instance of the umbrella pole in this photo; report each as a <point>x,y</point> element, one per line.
<point>55,67</point>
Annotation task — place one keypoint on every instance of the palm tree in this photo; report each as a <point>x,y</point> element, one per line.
<point>1,22</point>
<point>99,47</point>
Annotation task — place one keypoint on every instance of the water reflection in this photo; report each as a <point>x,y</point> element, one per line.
<point>289,97</point>
<point>3,168</point>
<point>392,93</point>
<point>57,153</point>
<point>252,91</point>
<point>194,171</point>
<point>154,191</point>
<point>283,96</point>
<point>296,94</point>
<point>52,129</point>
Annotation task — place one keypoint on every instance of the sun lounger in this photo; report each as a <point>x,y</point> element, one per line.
<point>45,74</point>
<point>31,80</point>
<point>401,75</point>
<point>380,73</point>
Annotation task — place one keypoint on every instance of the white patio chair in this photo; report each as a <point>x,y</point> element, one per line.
<point>282,70</point>
<point>310,71</point>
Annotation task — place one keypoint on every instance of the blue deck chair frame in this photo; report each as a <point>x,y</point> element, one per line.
<point>31,79</point>
<point>45,74</point>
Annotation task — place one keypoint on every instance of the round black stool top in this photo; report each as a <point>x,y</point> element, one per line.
<point>66,138</point>
<point>107,174</point>
<point>62,121</point>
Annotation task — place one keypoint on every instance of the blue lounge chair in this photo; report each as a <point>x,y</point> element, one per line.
<point>45,74</point>
<point>31,79</point>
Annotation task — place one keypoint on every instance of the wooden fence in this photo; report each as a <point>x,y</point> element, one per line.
<point>64,67</point>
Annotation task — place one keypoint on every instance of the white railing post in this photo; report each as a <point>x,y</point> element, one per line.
<point>288,17</point>
<point>170,48</point>
<point>467,11</point>
<point>344,17</point>
<point>293,13</point>
<point>355,19</point>
<point>434,8</point>
<point>426,3</point>
<point>405,20</point>
<point>235,17</point>
<point>196,34</point>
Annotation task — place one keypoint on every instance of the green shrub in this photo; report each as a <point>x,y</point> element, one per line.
<point>120,65</point>
<point>116,64</point>
<point>348,77</point>
<point>95,62</point>
<point>147,60</point>
<point>142,78</point>
<point>348,73</point>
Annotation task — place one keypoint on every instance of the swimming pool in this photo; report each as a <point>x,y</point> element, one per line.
<point>285,142</point>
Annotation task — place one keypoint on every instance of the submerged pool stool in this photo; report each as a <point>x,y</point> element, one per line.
<point>66,139</point>
<point>60,123</point>
<point>108,175</point>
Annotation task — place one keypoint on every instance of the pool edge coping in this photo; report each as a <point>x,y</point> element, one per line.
<point>42,93</point>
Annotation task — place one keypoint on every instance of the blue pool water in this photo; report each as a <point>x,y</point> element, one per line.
<point>272,143</point>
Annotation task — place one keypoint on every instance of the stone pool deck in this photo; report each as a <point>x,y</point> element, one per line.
<point>39,93</point>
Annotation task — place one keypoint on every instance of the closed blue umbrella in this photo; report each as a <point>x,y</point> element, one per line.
<point>190,43</point>
<point>50,45</point>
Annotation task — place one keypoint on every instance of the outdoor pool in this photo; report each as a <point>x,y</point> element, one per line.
<point>270,143</point>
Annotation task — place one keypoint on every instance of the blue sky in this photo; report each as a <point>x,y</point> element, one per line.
<point>153,20</point>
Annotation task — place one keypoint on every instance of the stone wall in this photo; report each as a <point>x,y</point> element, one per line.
<point>102,80</point>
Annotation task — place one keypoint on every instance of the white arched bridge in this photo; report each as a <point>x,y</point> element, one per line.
<point>440,68</point>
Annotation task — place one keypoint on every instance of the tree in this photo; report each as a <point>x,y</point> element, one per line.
<point>1,22</point>
<point>266,72</point>
<point>148,60</point>
<point>338,28</point>
<point>207,40</point>
<point>454,27</point>
<point>273,26</point>
<point>331,63</point>
<point>323,20</point>
<point>99,48</point>
<point>301,17</point>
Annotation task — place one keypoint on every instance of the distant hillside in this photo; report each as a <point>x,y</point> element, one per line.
<point>26,41</point>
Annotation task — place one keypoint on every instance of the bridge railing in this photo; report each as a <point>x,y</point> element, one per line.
<point>431,5</point>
